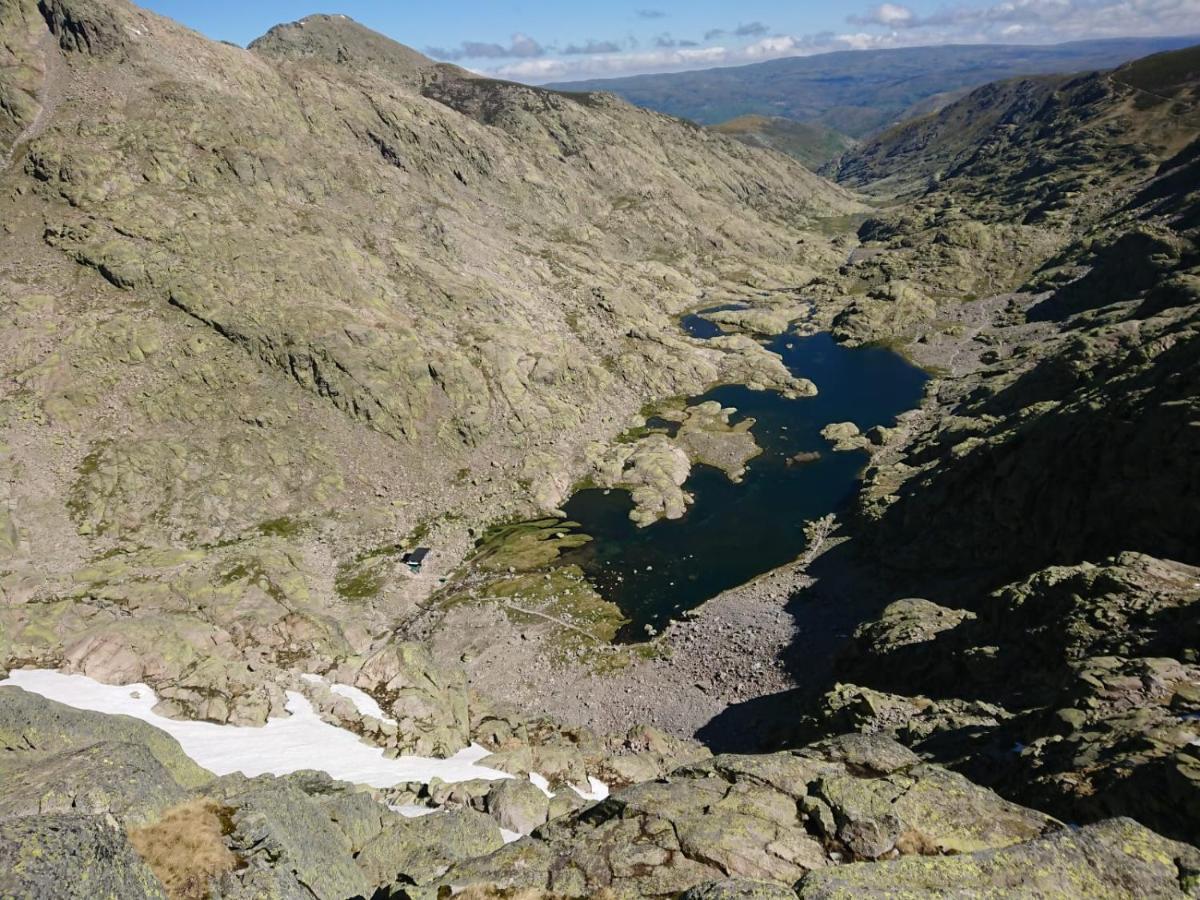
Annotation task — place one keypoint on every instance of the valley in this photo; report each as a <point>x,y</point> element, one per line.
<point>789,535</point>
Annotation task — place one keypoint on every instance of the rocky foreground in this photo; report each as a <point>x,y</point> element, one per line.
<point>90,799</point>
<point>272,316</point>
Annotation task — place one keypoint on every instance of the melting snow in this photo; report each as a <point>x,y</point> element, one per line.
<point>540,782</point>
<point>599,790</point>
<point>363,702</point>
<point>412,811</point>
<point>301,741</point>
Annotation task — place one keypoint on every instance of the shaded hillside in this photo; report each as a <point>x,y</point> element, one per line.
<point>857,92</point>
<point>1045,503</point>
<point>813,145</point>
<point>1081,193</point>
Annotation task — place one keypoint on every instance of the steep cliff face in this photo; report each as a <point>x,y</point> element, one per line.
<point>1077,443</point>
<point>1047,497</point>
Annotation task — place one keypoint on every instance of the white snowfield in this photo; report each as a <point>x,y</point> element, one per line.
<point>282,746</point>
<point>301,741</point>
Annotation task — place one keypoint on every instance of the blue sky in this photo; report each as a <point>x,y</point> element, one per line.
<point>540,40</point>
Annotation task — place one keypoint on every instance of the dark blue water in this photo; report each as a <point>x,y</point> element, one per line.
<point>699,327</point>
<point>733,532</point>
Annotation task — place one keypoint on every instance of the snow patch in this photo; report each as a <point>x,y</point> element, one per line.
<point>597,791</point>
<point>510,836</point>
<point>282,746</point>
<point>363,702</point>
<point>540,782</point>
<point>412,811</point>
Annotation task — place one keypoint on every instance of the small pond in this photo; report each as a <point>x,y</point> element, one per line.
<point>733,532</point>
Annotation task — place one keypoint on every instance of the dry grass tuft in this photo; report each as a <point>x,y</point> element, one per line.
<point>491,892</point>
<point>913,842</point>
<point>186,848</point>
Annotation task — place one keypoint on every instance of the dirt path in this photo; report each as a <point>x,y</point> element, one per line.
<point>48,96</point>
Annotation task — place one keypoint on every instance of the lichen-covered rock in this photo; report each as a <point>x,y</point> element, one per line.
<point>75,857</point>
<point>287,839</point>
<point>1078,680</point>
<point>122,779</point>
<point>428,701</point>
<point>518,805</point>
<point>415,851</point>
<point>768,818</point>
<point>739,889</point>
<point>34,729</point>
<point>844,436</point>
<point>1115,858</point>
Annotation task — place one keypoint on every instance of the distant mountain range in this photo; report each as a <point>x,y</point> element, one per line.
<point>857,92</point>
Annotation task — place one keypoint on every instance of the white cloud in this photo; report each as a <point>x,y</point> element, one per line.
<point>521,46</point>
<point>891,15</point>
<point>1045,21</point>
<point>882,25</point>
<point>770,48</point>
<point>660,60</point>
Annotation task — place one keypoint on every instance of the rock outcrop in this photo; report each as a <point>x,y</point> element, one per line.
<point>1075,690</point>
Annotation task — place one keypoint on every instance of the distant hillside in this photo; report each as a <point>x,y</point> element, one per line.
<point>812,144</point>
<point>990,130</point>
<point>857,92</point>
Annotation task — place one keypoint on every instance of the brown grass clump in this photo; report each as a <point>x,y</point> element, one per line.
<point>186,848</point>
<point>491,892</point>
<point>912,843</point>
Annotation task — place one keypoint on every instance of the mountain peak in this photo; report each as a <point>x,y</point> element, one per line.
<point>341,40</point>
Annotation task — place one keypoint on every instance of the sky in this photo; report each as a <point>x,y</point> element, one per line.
<point>550,40</point>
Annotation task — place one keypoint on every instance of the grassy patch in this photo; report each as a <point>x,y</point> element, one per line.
<point>283,527</point>
<point>525,546</point>
<point>77,500</point>
<point>186,848</point>
<point>355,581</point>
<point>556,599</point>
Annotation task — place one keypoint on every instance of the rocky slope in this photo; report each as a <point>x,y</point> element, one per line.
<point>731,826</point>
<point>272,314</point>
<point>814,145</point>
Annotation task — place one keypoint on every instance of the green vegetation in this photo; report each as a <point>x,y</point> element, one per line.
<point>525,545</point>
<point>283,527</point>
<point>355,581</point>
<point>811,144</point>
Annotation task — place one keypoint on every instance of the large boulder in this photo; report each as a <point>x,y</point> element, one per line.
<point>518,805</point>
<point>287,839</point>
<point>120,778</point>
<point>428,701</point>
<point>33,727</point>
<point>416,851</point>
